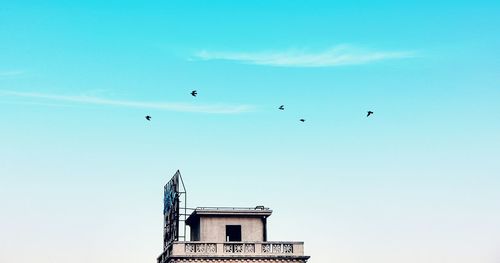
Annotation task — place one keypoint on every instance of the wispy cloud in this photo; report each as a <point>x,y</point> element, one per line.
<point>11,73</point>
<point>335,56</point>
<point>168,106</point>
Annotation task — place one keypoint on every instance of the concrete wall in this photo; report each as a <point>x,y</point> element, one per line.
<point>213,229</point>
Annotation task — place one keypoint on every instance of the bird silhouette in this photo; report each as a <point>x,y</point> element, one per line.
<point>369,113</point>
<point>282,107</point>
<point>302,120</point>
<point>194,93</point>
<point>148,118</point>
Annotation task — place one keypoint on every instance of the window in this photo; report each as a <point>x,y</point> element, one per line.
<point>233,232</point>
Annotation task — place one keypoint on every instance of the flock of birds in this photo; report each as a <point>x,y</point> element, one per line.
<point>282,107</point>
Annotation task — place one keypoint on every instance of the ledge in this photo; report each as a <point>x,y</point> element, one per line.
<point>254,250</point>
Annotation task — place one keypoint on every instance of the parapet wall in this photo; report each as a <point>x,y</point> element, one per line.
<point>278,251</point>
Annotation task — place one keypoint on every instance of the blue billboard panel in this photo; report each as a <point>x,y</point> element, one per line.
<point>171,211</point>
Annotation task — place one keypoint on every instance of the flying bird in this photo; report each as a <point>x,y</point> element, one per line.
<point>148,118</point>
<point>194,93</point>
<point>369,113</point>
<point>282,107</point>
<point>302,120</point>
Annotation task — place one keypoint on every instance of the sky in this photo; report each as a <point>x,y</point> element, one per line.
<point>82,171</point>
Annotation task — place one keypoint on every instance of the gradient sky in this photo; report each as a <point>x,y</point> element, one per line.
<point>82,171</point>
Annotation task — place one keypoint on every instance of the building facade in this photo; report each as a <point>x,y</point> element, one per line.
<point>231,235</point>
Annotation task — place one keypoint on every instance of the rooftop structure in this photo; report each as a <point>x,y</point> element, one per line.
<point>223,234</point>
<point>222,224</point>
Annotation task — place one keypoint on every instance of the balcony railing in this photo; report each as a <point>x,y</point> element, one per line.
<point>218,208</point>
<point>244,249</point>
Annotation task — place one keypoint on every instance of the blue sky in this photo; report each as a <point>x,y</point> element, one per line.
<point>82,171</point>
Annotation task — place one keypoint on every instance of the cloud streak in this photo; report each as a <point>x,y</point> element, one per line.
<point>168,106</point>
<point>336,56</point>
<point>11,73</point>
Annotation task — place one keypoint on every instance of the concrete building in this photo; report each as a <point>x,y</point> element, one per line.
<point>231,235</point>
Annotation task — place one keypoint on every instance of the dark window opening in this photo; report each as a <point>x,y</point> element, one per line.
<point>233,233</point>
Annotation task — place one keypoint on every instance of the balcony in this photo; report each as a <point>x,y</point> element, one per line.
<point>233,249</point>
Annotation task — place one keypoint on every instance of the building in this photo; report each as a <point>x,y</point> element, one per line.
<point>231,235</point>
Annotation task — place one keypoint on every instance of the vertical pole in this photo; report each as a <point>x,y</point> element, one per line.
<point>185,213</point>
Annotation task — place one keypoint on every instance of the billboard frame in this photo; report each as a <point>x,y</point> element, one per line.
<point>173,191</point>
